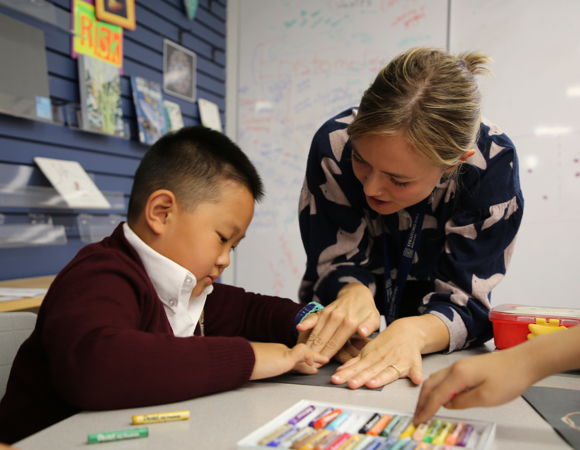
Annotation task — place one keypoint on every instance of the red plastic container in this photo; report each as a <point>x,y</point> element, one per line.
<point>514,324</point>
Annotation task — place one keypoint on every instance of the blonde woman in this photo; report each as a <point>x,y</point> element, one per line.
<point>413,184</point>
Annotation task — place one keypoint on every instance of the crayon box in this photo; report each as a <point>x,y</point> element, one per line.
<point>514,324</point>
<point>301,419</point>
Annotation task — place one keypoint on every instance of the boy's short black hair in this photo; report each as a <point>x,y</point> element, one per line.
<point>193,163</point>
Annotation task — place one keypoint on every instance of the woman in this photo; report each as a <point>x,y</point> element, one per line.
<point>414,184</point>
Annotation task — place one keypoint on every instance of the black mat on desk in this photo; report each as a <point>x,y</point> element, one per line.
<point>556,405</point>
<point>322,378</point>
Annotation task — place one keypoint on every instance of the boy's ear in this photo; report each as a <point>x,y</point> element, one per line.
<point>160,205</point>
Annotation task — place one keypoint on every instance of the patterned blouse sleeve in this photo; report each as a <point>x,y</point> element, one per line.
<point>336,235</point>
<point>479,241</point>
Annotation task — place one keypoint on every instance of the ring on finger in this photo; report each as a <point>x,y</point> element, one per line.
<point>397,369</point>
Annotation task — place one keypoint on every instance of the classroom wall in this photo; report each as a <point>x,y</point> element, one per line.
<point>110,161</point>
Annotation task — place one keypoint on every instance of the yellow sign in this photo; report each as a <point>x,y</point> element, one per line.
<point>98,39</point>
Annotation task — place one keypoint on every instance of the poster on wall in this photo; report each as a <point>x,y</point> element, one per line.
<point>100,92</point>
<point>179,65</point>
<point>118,12</point>
<point>210,115</point>
<point>148,100</point>
<point>173,116</point>
<point>92,37</point>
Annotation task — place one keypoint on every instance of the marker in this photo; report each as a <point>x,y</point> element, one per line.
<point>301,415</point>
<point>452,438</point>
<point>322,414</point>
<point>325,420</point>
<point>464,437</point>
<point>442,435</point>
<point>390,426</point>
<point>408,431</point>
<point>285,435</point>
<point>160,417</point>
<point>432,431</point>
<point>378,427</point>
<point>108,436</point>
<point>367,426</point>
<point>338,421</point>
<point>277,432</point>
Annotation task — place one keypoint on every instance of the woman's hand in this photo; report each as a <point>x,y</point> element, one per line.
<point>353,311</point>
<point>400,345</point>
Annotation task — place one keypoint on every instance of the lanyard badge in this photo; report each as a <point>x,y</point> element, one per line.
<point>394,291</point>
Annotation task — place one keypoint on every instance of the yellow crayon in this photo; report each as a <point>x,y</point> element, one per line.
<point>442,435</point>
<point>352,442</point>
<point>160,417</point>
<point>408,431</point>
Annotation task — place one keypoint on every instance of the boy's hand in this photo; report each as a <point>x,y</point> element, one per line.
<point>275,359</point>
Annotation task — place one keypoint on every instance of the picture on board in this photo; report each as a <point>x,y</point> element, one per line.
<point>118,12</point>
<point>179,65</point>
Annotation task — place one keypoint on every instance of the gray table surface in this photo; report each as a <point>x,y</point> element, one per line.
<point>218,421</point>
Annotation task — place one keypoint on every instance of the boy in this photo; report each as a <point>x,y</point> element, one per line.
<point>136,319</point>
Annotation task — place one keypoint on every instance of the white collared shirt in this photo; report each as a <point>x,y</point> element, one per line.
<point>173,285</point>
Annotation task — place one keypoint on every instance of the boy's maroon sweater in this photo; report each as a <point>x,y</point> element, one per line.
<point>102,341</point>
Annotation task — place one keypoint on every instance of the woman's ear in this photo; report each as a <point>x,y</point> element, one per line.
<point>161,205</point>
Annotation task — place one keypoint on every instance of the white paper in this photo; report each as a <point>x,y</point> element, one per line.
<point>210,114</point>
<point>13,293</point>
<point>72,182</point>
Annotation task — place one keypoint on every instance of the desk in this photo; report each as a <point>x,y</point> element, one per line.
<point>20,304</point>
<point>218,421</point>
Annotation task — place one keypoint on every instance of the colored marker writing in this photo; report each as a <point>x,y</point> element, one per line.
<point>108,436</point>
<point>160,417</point>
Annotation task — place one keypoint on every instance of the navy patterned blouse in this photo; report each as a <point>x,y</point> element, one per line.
<point>464,248</point>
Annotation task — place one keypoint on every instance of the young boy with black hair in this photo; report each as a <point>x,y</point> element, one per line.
<point>137,320</point>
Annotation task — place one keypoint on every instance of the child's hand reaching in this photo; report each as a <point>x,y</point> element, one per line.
<point>276,359</point>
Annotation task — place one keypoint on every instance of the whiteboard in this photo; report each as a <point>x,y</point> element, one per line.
<point>300,63</point>
<point>535,99</point>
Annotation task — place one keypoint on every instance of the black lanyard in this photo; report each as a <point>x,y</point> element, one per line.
<point>394,292</point>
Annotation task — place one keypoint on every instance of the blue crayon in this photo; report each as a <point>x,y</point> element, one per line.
<point>387,444</point>
<point>338,421</point>
<point>373,445</point>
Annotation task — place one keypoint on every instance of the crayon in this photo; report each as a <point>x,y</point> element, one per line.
<point>432,431</point>
<point>374,444</point>
<point>378,427</point>
<point>325,420</point>
<point>442,435</point>
<point>408,431</point>
<point>108,436</point>
<point>419,433</point>
<point>367,426</point>
<point>322,414</point>
<point>451,439</point>
<point>336,445</point>
<point>400,444</point>
<point>301,415</point>
<point>299,443</point>
<point>277,432</point>
<point>327,440</point>
<point>351,442</point>
<point>422,446</point>
<point>338,421</point>
<point>464,436</point>
<point>400,427</point>
<point>282,437</point>
<point>301,435</point>
<point>364,442</point>
<point>411,445</point>
<point>387,430</point>
<point>315,440</point>
<point>160,417</point>
<point>386,445</point>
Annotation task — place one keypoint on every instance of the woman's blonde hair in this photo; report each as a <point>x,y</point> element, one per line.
<point>430,95</point>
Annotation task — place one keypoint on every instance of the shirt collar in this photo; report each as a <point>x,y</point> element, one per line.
<point>170,280</point>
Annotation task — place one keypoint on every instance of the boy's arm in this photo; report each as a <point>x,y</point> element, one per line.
<point>496,378</point>
<point>231,311</point>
